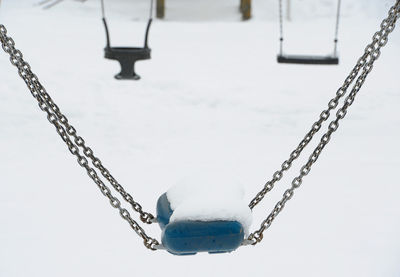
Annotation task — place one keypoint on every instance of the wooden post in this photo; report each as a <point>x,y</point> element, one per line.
<point>246,9</point>
<point>160,8</point>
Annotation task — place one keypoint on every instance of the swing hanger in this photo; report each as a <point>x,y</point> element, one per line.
<point>214,237</point>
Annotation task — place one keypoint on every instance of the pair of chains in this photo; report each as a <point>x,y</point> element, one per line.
<point>76,143</point>
<point>364,65</point>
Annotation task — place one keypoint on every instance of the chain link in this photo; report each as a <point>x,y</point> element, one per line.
<point>74,142</point>
<point>88,152</point>
<point>366,63</point>
<point>315,128</point>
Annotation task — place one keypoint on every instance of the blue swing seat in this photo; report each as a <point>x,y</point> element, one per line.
<point>190,237</point>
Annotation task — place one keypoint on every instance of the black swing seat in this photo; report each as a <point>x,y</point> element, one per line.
<point>305,59</point>
<point>127,56</point>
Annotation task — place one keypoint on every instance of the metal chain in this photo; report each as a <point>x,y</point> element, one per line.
<point>371,54</point>
<point>316,126</point>
<point>55,117</point>
<point>88,152</point>
<point>281,26</point>
<point>67,131</point>
<point>336,40</point>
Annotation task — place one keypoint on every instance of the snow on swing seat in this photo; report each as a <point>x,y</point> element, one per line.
<point>201,218</point>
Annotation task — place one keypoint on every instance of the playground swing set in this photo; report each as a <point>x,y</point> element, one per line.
<point>128,56</point>
<point>213,236</point>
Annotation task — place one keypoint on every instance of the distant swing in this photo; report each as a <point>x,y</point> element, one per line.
<point>309,59</point>
<point>127,56</point>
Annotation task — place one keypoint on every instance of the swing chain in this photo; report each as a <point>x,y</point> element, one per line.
<point>281,27</point>
<point>366,62</point>
<point>315,128</point>
<point>72,140</point>
<point>336,40</point>
<point>324,116</point>
<point>88,152</point>
<point>55,117</point>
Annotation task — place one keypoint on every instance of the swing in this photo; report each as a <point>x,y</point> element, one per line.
<point>214,235</point>
<point>127,56</point>
<point>188,236</point>
<point>308,59</point>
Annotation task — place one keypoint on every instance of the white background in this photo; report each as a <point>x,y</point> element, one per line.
<point>212,101</point>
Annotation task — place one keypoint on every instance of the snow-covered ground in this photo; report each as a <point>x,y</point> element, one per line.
<point>212,103</point>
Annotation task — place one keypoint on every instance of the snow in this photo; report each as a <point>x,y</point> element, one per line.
<point>211,100</point>
<point>202,199</point>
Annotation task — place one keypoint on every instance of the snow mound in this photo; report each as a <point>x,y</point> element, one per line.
<point>207,201</point>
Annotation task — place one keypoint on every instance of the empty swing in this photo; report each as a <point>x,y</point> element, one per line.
<point>309,59</point>
<point>127,56</point>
